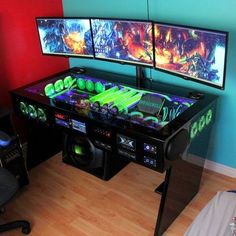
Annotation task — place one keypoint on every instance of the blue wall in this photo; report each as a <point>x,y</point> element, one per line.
<point>211,14</point>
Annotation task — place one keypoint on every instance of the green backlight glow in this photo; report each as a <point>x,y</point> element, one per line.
<point>109,91</point>
<point>99,87</point>
<point>68,81</point>
<point>49,90</point>
<point>24,108</point>
<point>78,150</point>
<point>90,85</point>
<point>81,83</point>
<point>209,116</point>
<point>194,130</point>
<point>32,111</point>
<point>59,85</point>
<point>199,125</point>
<point>41,115</point>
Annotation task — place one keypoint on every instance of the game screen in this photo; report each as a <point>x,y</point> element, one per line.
<point>123,41</point>
<point>65,36</point>
<point>194,53</point>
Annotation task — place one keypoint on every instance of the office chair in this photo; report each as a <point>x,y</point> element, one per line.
<point>8,188</point>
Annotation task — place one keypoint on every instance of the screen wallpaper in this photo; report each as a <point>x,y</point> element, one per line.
<point>193,53</point>
<point>127,41</point>
<point>65,36</point>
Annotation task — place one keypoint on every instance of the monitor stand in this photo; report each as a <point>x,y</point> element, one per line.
<point>140,77</point>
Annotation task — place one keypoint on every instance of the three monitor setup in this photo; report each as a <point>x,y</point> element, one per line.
<point>192,53</point>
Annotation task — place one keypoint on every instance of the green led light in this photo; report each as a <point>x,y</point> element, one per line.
<point>78,150</point>
<point>81,83</point>
<point>24,108</point>
<point>41,115</point>
<point>67,81</point>
<point>201,123</point>
<point>32,111</point>
<point>59,85</point>
<point>209,116</point>
<point>90,85</point>
<point>194,130</point>
<point>99,87</point>
<point>97,97</point>
<point>49,90</point>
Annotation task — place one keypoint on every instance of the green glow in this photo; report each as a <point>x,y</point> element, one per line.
<point>24,108</point>
<point>68,81</point>
<point>57,94</point>
<point>201,123</point>
<point>136,113</point>
<point>152,118</point>
<point>148,92</point>
<point>127,95</point>
<point>194,130</point>
<point>81,83</point>
<point>112,97</point>
<point>90,85</point>
<point>123,106</point>
<point>187,104</point>
<point>99,87</point>
<point>41,115</point>
<point>32,112</point>
<point>209,116</point>
<point>165,113</point>
<point>78,150</point>
<point>99,96</point>
<point>132,100</point>
<point>49,90</point>
<point>59,85</point>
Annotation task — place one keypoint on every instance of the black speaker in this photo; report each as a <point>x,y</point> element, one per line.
<point>11,158</point>
<point>80,152</point>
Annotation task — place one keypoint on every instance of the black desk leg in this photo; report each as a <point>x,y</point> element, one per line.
<point>181,184</point>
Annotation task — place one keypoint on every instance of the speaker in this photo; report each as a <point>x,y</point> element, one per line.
<point>11,158</point>
<point>80,152</point>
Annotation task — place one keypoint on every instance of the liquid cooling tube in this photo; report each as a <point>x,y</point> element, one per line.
<point>99,96</point>
<point>124,105</point>
<point>111,97</point>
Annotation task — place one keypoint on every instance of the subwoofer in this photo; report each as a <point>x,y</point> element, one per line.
<point>80,152</point>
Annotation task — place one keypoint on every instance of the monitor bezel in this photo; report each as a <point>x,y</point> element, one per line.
<point>124,62</point>
<point>64,54</point>
<point>184,76</point>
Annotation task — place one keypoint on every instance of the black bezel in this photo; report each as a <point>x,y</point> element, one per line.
<point>184,76</point>
<point>124,62</point>
<point>65,54</point>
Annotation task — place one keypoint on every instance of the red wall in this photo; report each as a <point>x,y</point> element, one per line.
<point>21,61</point>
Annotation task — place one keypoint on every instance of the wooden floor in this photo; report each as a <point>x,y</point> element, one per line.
<point>63,200</point>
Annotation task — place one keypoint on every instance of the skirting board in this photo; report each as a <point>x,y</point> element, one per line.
<point>219,168</point>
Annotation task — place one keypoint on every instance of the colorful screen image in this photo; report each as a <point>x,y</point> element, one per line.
<point>123,41</point>
<point>193,53</point>
<point>65,36</point>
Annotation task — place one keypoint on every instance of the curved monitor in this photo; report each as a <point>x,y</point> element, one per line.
<point>124,41</point>
<point>65,36</point>
<point>193,53</point>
